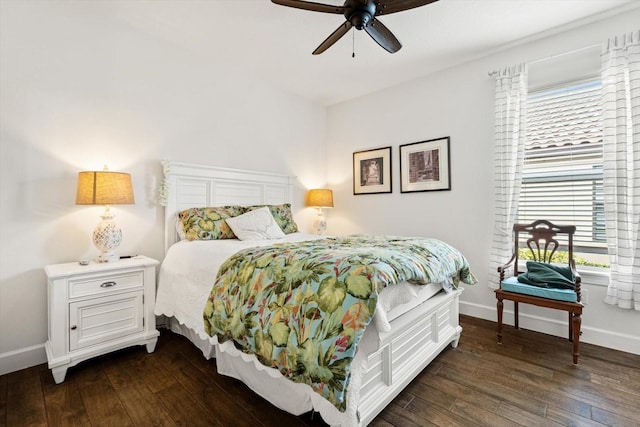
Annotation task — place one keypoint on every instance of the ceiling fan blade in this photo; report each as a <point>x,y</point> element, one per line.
<point>385,7</point>
<point>383,36</point>
<point>308,5</point>
<point>334,37</point>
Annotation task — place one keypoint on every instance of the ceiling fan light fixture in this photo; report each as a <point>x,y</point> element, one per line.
<point>360,20</point>
<point>358,13</point>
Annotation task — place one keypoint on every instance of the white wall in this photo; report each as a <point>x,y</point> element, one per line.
<point>459,103</point>
<point>78,91</point>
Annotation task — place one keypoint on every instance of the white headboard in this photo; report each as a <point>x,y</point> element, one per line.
<point>190,186</point>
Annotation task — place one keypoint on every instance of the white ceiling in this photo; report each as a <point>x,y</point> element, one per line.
<point>275,42</point>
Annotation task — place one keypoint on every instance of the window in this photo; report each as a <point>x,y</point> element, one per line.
<point>562,175</point>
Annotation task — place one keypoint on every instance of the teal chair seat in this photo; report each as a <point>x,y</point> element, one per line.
<point>512,285</point>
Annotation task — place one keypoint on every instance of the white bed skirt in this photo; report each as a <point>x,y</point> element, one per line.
<point>377,377</point>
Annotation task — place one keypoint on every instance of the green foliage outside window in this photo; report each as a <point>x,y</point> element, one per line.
<point>562,257</point>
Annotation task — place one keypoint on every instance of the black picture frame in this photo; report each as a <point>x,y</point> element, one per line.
<point>425,166</point>
<point>372,171</point>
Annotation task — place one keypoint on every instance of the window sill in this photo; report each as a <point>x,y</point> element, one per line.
<point>594,276</point>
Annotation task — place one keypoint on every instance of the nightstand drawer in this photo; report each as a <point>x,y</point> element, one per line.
<point>98,285</point>
<point>98,320</point>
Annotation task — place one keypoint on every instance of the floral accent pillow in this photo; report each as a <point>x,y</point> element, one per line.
<point>255,225</point>
<point>208,223</point>
<point>281,214</point>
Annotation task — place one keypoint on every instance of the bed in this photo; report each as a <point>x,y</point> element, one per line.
<point>411,323</point>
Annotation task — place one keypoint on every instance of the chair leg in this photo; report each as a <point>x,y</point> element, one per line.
<point>515,314</point>
<point>500,308</point>
<point>576,322</point>
<point>570,326</point>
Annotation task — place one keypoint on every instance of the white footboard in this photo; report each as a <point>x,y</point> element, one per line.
<point>415,339</point>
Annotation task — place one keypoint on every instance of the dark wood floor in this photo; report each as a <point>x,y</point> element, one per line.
<point>529,380</point>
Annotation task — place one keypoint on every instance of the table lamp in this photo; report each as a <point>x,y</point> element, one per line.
<point>320,198</point>
<point>105,188</point>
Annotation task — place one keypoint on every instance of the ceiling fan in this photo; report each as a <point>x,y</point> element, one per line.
<point>362,15</point>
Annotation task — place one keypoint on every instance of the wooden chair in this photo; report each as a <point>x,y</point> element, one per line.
<point>543,244</point>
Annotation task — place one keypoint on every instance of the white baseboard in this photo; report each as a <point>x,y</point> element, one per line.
<point>601,337</point>
<point>22,358</point>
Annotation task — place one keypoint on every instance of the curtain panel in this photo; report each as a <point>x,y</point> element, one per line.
<point>509,139</point>
<point>621,166</point>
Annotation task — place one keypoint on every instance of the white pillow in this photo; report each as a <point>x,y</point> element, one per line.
<point>392,297</point>
<point>255,225</point>
<point>180,230</point>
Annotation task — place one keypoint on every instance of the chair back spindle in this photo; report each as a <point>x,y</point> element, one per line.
<point>542,242</point>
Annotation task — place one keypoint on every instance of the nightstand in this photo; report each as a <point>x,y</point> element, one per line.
<point>98,308</point>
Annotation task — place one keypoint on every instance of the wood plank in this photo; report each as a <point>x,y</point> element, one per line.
<point>422,388</point>
<point>63,402</point>
<point>567,418</point>
<point>596,395</point>
<point>379,422</point>
<point>25,405</point>
<point>537,391</point>
<point>101,401</point>
<point>523,417</point>
<point>480,416</point>
<point>614,419</point>
<point>480,356</point>
<point>404,398</point>
<point>142,405</point>
<point>225,410</point>
<point>611,382</point>
<point>495,356</point>
<point>153,373</point>
<point>439,384</point>
<point>422,410</point>
<point>555,397</point>
<point>505,394</point>
<point>256,405</point>
<point>184,410</point>
<point>397,416</point>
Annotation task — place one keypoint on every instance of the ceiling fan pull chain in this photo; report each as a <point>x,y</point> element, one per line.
<point>353,44</point>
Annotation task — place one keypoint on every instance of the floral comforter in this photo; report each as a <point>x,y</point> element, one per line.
<point>303,307</point>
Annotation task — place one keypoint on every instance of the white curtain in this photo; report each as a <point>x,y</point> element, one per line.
<point>509,139</point>
<point>621,123</point>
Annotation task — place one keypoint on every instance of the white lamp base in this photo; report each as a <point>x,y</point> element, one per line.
<point>320,224</point>
<point>106,237</point>
<point>108,256</point>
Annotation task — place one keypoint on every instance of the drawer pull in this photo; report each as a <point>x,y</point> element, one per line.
<point>74,327</point>
<point>108,284</point>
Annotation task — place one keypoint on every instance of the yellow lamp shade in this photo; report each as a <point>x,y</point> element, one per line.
<point>320,198</point>
<point>104,188</point>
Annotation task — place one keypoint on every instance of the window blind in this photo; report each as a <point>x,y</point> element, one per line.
<point>562,175</point>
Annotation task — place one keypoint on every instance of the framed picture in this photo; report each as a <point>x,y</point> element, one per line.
<point>372,171</point>
<point>425,166</point>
